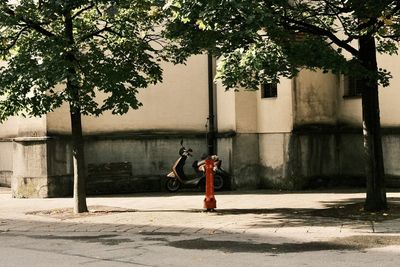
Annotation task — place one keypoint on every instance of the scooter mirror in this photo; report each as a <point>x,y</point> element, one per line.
<point>181,142</point>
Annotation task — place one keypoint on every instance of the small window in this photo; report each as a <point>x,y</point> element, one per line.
<point>269,90</point>
<point>352,86</point>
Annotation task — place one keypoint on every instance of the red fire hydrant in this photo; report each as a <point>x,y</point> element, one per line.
<point>210,203</point>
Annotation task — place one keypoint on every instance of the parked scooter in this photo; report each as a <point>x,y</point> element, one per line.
<point>177,177</point>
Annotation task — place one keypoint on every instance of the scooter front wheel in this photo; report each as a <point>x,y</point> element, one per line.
<point>173,184</point>
<point>218,182</point>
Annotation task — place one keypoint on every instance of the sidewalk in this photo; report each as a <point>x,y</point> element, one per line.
<point>286,215</point>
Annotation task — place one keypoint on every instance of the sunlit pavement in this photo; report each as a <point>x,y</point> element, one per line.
<point>247,229</point>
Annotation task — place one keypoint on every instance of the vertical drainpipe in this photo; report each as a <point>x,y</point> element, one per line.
<point>211,134</point>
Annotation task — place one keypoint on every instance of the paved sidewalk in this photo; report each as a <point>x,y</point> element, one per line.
<point>255,212</point>
<point>267,221</point>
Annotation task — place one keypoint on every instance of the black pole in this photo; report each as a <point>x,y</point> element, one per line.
<point>211,116</point>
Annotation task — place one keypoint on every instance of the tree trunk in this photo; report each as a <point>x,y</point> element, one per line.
<point>78,161</point>
<point>374,167</point>
<point>76,123</point>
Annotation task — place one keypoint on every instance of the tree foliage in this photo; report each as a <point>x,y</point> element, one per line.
<point>71,51</point>
<point>112,49</point>
<point>261,40</point>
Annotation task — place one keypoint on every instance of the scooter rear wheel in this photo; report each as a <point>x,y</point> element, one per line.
<point>173,185</point>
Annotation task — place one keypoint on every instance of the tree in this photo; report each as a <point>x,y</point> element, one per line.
<point>260,40</point>
<point>71,50</point>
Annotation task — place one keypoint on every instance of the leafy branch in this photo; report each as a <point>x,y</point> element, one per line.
<point>29,23</point>
<point>14,39</point>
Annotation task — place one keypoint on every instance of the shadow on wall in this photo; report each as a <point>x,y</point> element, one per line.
<point>324,158</point>
<point>5,178</point>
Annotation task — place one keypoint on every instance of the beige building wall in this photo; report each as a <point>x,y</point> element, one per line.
<point>246,111</point>
<point>32,127</point>
<point>16,127</point>
<point>275,122</point>
<point>9,128</point>
<point>315,98</point>
<point>275,115</point>
<point>23,127</point>
<point>389,96</point>
<point>260,155</point>
<point>180,103</point>
<point>226,106</point>
<point>350,111</point>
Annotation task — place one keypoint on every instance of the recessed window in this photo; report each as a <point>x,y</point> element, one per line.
<point>269,90</point>
<point>352,86</point>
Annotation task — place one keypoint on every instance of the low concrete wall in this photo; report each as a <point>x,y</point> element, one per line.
<point>297,160</point>
<point>391,152</point>
<point>6,162</point>
<point>245,161</point>
<point>316,159</point>
<point>274,161</point>
<point>5,178</point>
<point>44,164</point>
<point>42,168</point>
<point>152,157</point>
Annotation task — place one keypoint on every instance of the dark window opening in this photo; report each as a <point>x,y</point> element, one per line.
<point>352,86</point>
<point>269,90</point>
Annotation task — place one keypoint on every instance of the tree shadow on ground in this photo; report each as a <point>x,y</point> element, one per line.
<point>196,192</point>
<point>348,212</point>
<point>359,243</point>
<point>349,209</point>
<point>55,234</point>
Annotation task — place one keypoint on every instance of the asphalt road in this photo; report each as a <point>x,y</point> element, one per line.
<point>180,249</point>
<point>258,229</point>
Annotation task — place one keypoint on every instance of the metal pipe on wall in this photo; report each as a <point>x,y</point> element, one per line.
<point>211,134</point>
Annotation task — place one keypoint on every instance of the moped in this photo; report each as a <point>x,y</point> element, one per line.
<point>177,177</point>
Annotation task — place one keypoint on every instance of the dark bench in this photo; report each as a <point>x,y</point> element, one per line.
<point>117,177</point>
<point>108,172</point>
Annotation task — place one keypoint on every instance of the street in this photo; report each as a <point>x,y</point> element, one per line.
<point>260,229</point>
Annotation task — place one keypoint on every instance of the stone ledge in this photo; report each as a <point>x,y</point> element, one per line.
<point>32,139</point>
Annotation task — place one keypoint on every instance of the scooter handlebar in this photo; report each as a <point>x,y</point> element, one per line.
<point>183,151</point>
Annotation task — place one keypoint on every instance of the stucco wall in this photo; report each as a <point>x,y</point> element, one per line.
<point>315,98</point>
<point>6,162</point>
<point>179,103</point>
<point>245,161</point>
<point>246,111</point>
<point>389,96</point>
<point>12,128</point>
<point>32,127</point>
<point>350,111</point>
<point>226,116</point>
<point>9,128</point>
<point>274,158</point>
<point>275,115</point>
